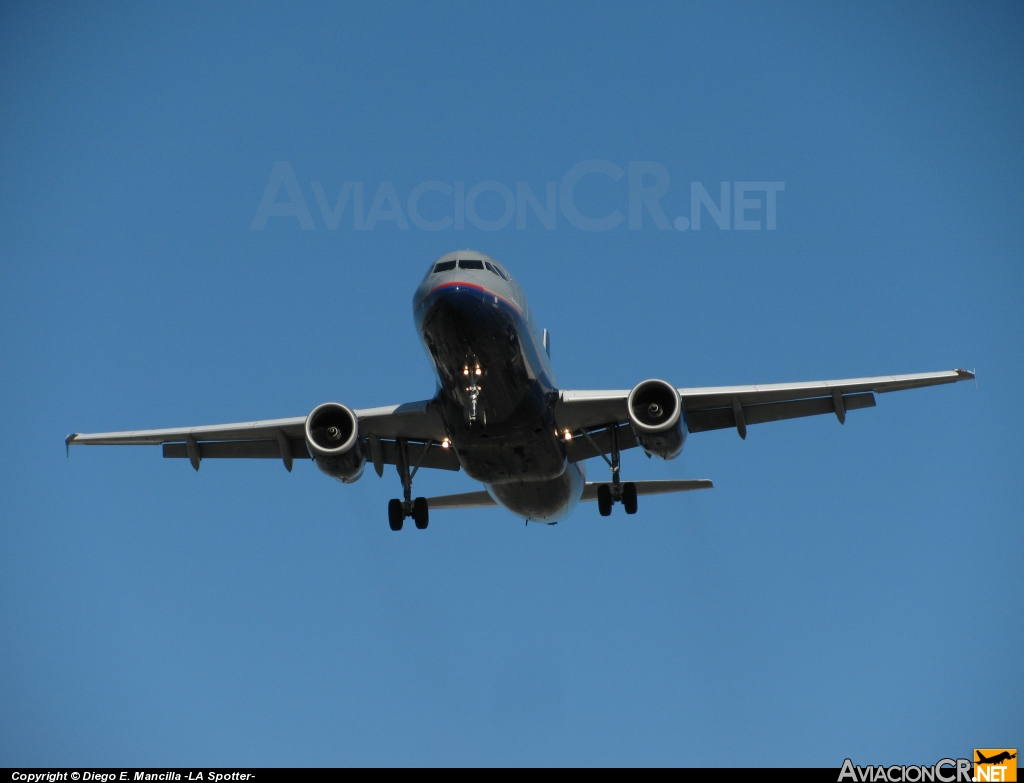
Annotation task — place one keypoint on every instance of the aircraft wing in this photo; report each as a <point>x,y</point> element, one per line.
<point>285,439</point>
<point>718,407</point>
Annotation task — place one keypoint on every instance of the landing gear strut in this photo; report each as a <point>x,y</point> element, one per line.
<point>398,510</point>
<point>617,492</point>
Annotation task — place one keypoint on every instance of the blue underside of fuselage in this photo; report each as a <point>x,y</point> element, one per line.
<point>511,447</point>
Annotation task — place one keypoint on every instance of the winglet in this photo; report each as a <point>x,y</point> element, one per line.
<point>967,375</point>
<point>67,442</point>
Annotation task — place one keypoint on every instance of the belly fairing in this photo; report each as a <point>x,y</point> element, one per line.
<point>542,501</point>
<point>521,447</point>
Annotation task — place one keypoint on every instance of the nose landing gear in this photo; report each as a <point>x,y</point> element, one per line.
<point>398,510</point>
<point>472,374</point>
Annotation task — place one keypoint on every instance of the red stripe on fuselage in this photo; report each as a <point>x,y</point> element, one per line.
<point>476,287</point>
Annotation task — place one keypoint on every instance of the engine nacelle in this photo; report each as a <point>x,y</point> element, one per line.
<point>332,435</point>
<point>656,415</point>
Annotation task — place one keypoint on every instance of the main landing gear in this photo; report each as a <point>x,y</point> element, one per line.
<point>617,492</point>
<point>397,513</point>
<point>606,497</point>
<point>398,510</point>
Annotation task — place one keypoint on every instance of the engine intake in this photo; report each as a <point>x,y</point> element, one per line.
<point>332,434</point>
<point>656,416</point>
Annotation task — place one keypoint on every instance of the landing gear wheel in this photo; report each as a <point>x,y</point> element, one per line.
<point>604,500</point>
<point>629,497</point>
<point>420,513</point>
<point>396,514</point>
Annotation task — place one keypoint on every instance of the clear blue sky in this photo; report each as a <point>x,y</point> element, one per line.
<point>843,591</point>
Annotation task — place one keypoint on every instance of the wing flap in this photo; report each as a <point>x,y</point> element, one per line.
<point>434,457</point>
<point>238,449</point>
<point>721,418</point>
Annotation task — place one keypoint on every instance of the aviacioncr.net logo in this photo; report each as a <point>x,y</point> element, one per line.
<point>995,764</point>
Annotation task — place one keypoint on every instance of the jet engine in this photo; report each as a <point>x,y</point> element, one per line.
<point>332,434</point>
<point>656,415</point>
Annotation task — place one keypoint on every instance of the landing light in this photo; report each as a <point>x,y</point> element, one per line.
<point>445,443</point>
<point>479,371</point>
<point>568,434</point>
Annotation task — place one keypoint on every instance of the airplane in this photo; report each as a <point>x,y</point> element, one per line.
<point>996,759</point>
<point>499,414</point>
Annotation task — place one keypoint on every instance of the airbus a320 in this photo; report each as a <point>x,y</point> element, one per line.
<point>500,415</point>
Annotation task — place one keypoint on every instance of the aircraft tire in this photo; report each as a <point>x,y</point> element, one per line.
<point>604,500</point>
<point>629,497</point>
<point>420,513</point>
<point>396,514</point>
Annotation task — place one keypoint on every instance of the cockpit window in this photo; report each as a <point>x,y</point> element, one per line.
<point>444,266</point>
<point>496,271</point>
<point>471,264</point>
